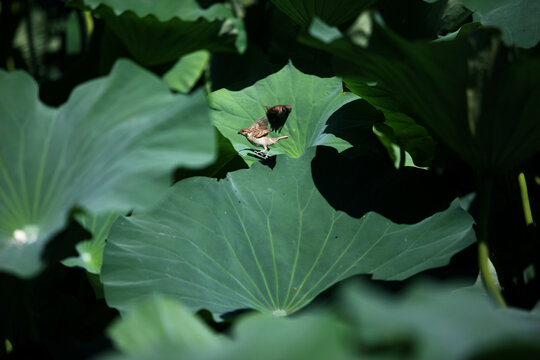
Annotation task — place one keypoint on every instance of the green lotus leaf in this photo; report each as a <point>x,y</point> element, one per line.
<point>426,321</point>
<point>472,93</point>
<point>160,327</point>
<point>111,147</point>
<point>517,19</point>
<point>433,319</point>
<point>182,27</point>
<point>158,322</point>
<point>267,240</point>
<point>331,11</point>
<point>313,101</point>
<point>91,251</point>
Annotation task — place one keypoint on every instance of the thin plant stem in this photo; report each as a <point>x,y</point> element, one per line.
<point>484,196</point>
<point>33,62</point>
<point>525,199</point>
<point>401,158</point>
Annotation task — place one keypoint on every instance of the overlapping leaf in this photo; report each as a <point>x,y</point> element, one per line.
<point>401,129</point>
<point>472,93</point>
<point>434,320</point>
<point>423,19</point>
<point>517,19</point>
<point>160,322</point>
<point>313,101</point>
<point>91,251</point>
<point>185,73</point>
<point>265,239</point>
<point>331,11</point>
<point>181,27</point>
<point>112,146</point>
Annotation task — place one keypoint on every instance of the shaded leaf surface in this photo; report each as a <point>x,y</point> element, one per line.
<point>181,27</point>
<point>401,129</point>
<point>265,239</point>
<point>331,11</point>
<point>111,147</point>
<point>420,19</point>
<point>472,93</point>
<point>313,101</point>
<point>439,320</point>
<point>517,19</point>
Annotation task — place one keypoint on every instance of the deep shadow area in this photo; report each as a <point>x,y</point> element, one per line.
<point>227,160</point>
<point>62,245</point>
<point>53,316</point>
<point>363,177</point>
<point>362,184</point>
<point>514,246</point>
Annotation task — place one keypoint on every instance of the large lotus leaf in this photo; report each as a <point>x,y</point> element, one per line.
<point>111,147</point>
<point>181,27</point>
<point>91,251</point>
<point>474,94</point>
<point>331,11</point>
<point>267,240</point>
<point>313,101</point>
<point>440,322</point>
<point>517,19</point>
<point>160,327</point>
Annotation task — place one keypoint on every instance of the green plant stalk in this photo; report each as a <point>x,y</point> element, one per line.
<point>402,157</point>
<point>33,61</point>
<point>525,199</point>
<point>485,190</point>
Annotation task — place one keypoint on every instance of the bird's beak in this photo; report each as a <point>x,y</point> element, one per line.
<point>240,132</point>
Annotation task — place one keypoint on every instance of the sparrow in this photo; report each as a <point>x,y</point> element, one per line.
<point>277,115</point>
<point>258,131</point>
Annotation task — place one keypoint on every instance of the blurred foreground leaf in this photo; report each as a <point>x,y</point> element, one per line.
<point>160,327</point>
<point>439,322</point>
<point>427,322</point>
<point>111,147</point>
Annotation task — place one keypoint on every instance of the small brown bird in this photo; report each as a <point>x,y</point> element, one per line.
<point>258,131</point>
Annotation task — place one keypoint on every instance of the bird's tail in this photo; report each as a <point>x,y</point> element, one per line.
<point>276,139</point>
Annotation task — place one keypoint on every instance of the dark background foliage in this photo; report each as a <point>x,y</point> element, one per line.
<point>61,313</point>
